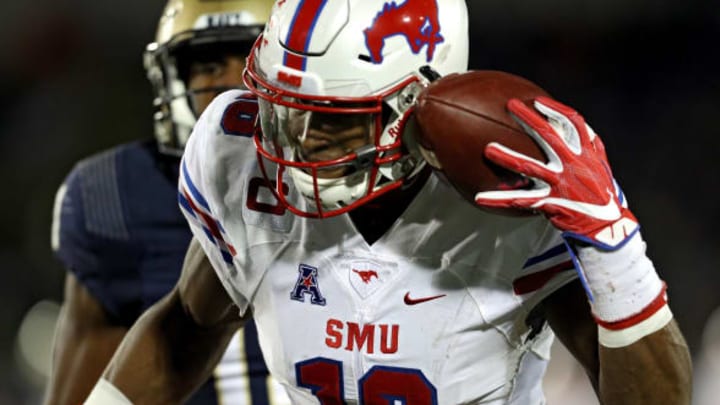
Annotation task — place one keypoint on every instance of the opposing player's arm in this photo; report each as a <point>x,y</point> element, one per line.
<point>85,340</point>
<point>172,349</point>
<point>653,370</point>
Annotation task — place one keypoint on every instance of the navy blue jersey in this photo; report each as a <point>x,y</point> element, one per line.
<point>120,232</point>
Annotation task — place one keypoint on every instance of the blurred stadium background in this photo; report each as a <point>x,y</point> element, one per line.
<point>644,73</point>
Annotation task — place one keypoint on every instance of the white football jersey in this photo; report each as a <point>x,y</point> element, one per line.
<point>434,312</point>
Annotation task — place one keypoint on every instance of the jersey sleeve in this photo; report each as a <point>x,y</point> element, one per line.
<point>90,238</point>
<point>202,188</point>
<point>548,268</point>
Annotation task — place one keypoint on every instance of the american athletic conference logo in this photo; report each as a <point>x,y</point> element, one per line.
<point>417,20</point>
<point>307,283</point>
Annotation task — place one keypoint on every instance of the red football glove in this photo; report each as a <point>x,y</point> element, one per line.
<point>575,189</point>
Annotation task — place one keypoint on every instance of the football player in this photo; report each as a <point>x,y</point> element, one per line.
<point>118,229</point>
<point>370,279</point>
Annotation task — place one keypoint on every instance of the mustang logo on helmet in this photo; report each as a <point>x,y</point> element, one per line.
<point>417,20</point>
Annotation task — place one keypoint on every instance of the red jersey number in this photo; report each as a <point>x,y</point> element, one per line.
<point>253,197</point>
<point>381,385</point>
<point>239,117</point>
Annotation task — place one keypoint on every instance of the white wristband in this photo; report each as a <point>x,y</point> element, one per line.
<point>622,283</point>
<point>105,393</point>
<point>625,337</point>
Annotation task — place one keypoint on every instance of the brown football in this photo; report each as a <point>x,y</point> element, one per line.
<point>459,114</point>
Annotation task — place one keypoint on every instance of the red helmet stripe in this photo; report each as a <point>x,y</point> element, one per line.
<point>301,28</point>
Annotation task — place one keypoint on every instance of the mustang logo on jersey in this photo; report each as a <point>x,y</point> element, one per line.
<point>366,275</point>
<point>307,284</point>
<point>417,20</point>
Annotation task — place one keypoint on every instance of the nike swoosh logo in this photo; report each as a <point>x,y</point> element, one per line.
<point>607,212</point>
<point>415,301</point>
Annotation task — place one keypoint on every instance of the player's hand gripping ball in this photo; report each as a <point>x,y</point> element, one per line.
<point>459,114</point>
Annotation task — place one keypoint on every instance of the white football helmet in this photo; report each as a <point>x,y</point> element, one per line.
<point>187,28</point>
<point>361,59</point>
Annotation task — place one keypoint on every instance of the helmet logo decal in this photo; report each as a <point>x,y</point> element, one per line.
<point>289,78</point>
<point>300,32</point>
<point>417,20</point>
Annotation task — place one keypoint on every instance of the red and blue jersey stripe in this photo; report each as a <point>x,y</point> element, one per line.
<point>198,209</point>
<point>542,268</point>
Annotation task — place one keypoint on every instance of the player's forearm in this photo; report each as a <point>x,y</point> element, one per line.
<point>642,355</point>
<point>85,340</point>
<point>654,370</point>
<point>165,356</point>
<point>80,355</point>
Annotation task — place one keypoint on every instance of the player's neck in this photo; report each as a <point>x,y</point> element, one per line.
<point>375,218</point>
